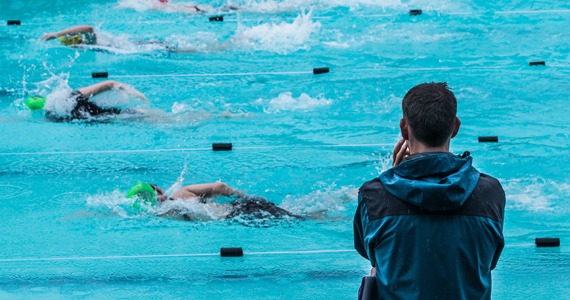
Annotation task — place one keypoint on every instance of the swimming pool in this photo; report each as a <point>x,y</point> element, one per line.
<point>302,140</point>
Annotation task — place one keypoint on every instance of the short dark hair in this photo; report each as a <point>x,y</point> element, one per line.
<point>430,109</point>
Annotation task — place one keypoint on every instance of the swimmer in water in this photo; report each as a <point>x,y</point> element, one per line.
<point>84,109</point>
<point>85,35</point>
<point>204,194</point>
<point>79,35</point>
<point>183,7</point>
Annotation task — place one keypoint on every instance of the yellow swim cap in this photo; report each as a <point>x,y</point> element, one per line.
<point>71,39</point>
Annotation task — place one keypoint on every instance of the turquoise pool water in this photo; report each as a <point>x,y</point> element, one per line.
<point>301,140</point>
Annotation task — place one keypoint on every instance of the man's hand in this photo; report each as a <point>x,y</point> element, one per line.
<point>400,152</point>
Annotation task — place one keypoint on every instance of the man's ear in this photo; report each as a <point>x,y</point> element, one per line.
<point>404,128</point>
<point>456,126</point>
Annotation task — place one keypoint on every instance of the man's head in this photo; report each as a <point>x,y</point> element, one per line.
<point>430,114</point>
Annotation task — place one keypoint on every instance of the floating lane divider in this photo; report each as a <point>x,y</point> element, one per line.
<point>415,12</point>
<point>537,63</point>
<point>224,252</point>
<point>325,70</point>
<point>99,75</point>
<point>547,242</point>
<point>14,22</point>
<point>231,252</point>
<point>488,139</point>
<point>315,71</point>
<point>221,146</point>
<point>188,149</point>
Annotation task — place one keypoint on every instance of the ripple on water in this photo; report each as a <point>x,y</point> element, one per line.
<point>11,191</point>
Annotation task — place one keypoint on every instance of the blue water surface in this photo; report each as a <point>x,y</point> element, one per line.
<point>304,141</point>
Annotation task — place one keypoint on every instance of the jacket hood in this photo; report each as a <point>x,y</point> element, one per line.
<point>434,181</point>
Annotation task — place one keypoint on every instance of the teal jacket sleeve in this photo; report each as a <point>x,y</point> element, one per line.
<point>358,228</point>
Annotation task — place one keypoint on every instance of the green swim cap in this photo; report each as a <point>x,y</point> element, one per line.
<point>71,39</point>
<point>144,191</point>
<point>35,102</point>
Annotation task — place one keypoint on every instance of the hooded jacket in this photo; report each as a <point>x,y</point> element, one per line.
<point>432,227</point>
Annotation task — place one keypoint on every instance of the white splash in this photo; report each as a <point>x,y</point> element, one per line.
<point>322,202</point>
<point>57,91</point>
<point>273,6</point>
<point>125,44</point>
<point>178,183</point>
<point>281,38</point>
<point>141,5</point>
<point>384,162</point>
<point>170,6</point>
<point>116,202</point>
<point>286,102</point>
<point>534,194</point>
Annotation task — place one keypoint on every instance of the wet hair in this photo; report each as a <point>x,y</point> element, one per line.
<point>430,109</point>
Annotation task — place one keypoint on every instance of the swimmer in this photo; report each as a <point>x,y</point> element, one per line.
<point>189,8</point>
<point>79,35</point>
<point>82,108</point>
<point>204,194</point>
<point>85,35</point>
<point>169,6</point>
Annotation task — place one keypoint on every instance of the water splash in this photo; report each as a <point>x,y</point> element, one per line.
<point>320,203</point>
<point>141,5</point>
<point>384,162</point>
<point>286,102</point>
<point>178,183</point>
<point>191,209</point>
<point>170,7</point>
<point>274,6</point>
<point>534,194</point>
<point>280,38</point>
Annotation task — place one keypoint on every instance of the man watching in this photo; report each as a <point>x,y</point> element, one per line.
<point>431,225</point>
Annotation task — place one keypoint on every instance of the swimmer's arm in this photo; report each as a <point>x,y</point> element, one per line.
<point>211,189</point>
<point>104,86</point>
<point>72,30</point>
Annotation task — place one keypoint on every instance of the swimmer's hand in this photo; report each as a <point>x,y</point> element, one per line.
<point>238,194</point>
<point>401,151</point>
<point>49,36</point>
<point>129,89</point>
<point>138,95</point>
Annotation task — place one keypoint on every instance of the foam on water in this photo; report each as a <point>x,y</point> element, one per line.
<point>330,199</point>
<point>118,204</point>
<point>280,38</point>
<point>273,6</point>
<point>115,202</point>
<point>124,44</point>
<point>140,5</point>
<point>286,102</point>
<point>534,194</point>
<point>200,41</point>
<point>170,7</point>
<point>58,91</point>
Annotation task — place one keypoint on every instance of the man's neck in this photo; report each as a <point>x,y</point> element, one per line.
<point>416,147</point>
